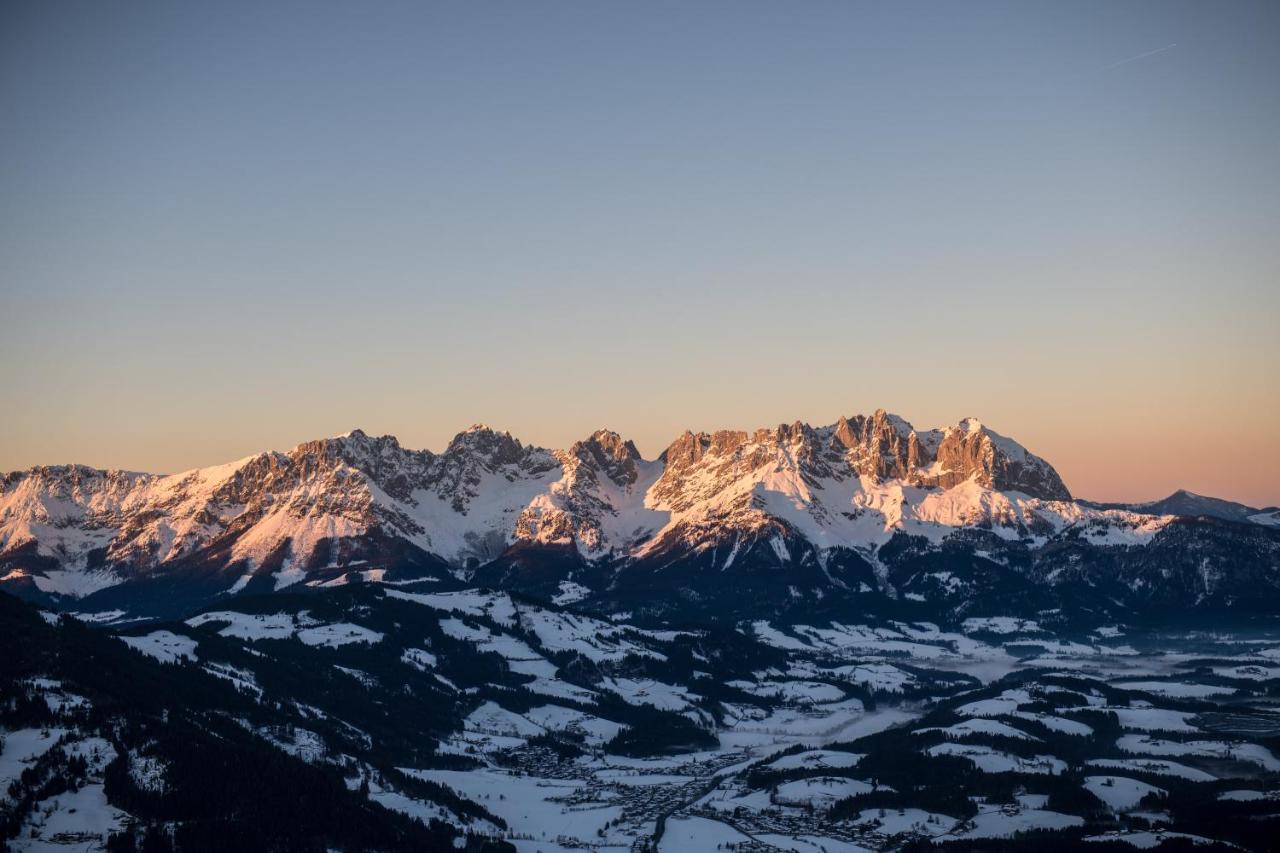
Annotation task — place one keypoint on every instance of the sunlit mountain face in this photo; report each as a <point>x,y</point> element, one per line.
<point>860,636</point>
<point>867,515</point>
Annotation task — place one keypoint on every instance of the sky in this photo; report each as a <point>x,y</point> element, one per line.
<point>227,227</point>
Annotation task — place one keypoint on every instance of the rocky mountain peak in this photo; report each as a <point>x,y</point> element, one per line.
<point>972,450</point>
<point>608,452</point>
<point>497,448</point>
<point>881,446</point>
<point>613,444</point>
<point>356,444</point>
<point>685,450</point>
<point>70,481</point>
<point>480,452</point>
<point>784,434</point>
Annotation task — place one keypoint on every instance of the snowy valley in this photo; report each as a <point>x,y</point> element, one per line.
<point>482,720</point>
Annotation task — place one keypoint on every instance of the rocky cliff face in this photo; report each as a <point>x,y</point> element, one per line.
<point>794,491</point>
<point>885,446</point>
<point>599,480</point>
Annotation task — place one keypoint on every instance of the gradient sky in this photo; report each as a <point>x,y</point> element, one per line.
<point>226,227</point>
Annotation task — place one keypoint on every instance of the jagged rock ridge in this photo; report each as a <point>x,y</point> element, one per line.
<point>798,491</point>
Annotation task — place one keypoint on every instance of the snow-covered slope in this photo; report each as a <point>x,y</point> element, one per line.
<point>291,506</point>
<point>854,485</point>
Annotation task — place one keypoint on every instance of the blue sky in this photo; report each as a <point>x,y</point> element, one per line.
<point>225,227</point>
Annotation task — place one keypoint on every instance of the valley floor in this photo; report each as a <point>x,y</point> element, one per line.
<point>485,721</point>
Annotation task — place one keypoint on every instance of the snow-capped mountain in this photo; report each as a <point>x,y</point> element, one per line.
<point>854,484</point>
<point>841,507</point>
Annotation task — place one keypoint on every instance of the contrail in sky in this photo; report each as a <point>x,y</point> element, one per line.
<point>1141,56</point>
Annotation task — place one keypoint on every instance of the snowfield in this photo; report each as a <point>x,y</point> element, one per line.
<point>820,791</point>
<point>999,823</point>
<point>1121,794</point>
<point>1160,768</point>
<point>696,833</point>
<point>990,760</point>
<point>164,646</point>
<point>1247,752</point>
<point>816,759</point>
<point>338,634</point>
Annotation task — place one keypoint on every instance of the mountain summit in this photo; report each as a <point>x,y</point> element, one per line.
<point>792,507</point>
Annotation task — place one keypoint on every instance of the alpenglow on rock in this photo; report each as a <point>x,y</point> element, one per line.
<point>800,492</point>
<point>887,447</point>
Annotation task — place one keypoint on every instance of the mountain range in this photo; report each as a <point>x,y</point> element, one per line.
<point>853,637</point>
<point>866,516</point>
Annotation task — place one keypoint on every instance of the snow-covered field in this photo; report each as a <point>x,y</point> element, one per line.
<point>805,737</point>
<point>164,646</point>
<point>709,798</point>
